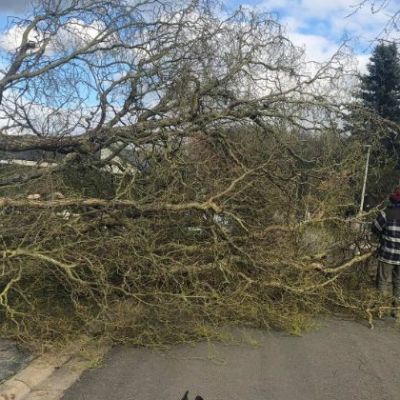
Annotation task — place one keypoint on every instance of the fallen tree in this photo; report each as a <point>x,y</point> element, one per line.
<point>235,187</point>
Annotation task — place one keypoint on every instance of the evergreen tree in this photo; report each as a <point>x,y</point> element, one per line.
<point>380,92</point>
<point>380,88</point>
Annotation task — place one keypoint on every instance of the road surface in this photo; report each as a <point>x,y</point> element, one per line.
<point>342,360</point>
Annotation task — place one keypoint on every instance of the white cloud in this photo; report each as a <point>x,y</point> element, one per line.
<point>77,33</point>
<point>74,34</point>
<point>321,26</point>
<point>318,48</point>
<point>12,38</point>
<point>325,8</point>
<point>362,25</point>
<point>292,24</point>
<point>362,60</point>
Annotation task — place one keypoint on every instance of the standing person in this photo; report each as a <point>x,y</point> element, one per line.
<point>387,227</point>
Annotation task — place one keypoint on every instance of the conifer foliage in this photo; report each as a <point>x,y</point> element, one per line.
<point>380,93</point>
<point>380,88</point>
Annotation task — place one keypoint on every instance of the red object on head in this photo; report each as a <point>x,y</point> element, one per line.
<point>395,197</point>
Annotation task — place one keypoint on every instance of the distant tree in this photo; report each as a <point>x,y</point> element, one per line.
<point>374,119</point>
<point>380,88</point>
<point>379,117</point>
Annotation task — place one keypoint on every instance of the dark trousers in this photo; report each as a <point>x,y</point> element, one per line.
<point>388,279</point>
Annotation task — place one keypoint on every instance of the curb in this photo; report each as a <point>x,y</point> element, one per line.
<point>21,384</point>
<point>55,385</point>
<point>47,377</point>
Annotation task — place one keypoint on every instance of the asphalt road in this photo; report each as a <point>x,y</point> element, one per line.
<point>341,360</point>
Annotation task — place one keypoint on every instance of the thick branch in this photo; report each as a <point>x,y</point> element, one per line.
<point>94,202</point>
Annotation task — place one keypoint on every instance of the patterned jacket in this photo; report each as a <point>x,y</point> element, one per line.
<point>387,227</point>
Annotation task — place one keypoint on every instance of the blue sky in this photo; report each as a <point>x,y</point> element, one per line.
<point>318,25</point>
<point>322,25</point>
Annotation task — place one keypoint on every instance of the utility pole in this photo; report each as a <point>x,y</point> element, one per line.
<point>368,146</point>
